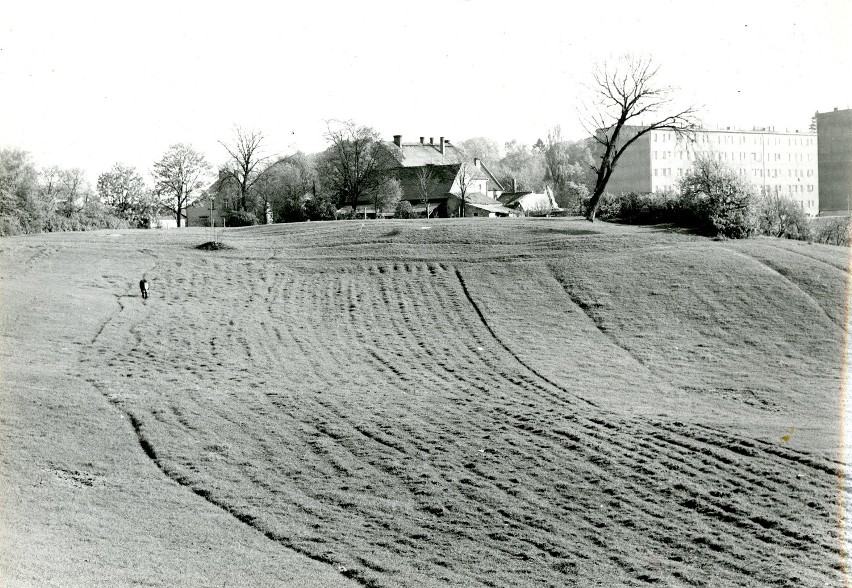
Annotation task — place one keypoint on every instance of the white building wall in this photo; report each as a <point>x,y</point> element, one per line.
<point>778,163</point>
<point>472,188</point>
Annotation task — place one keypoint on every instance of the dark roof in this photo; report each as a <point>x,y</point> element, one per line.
<point>510,198</point>
<point>490,205</point>
<point>478,198</point>
<point>493,182</point>
<point>443,178</point>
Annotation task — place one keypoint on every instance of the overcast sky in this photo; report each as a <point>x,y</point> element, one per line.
<point>86,84</point>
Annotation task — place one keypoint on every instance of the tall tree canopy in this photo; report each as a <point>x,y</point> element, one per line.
<point>123,189</point>
<point>482,147</point>
<point>18,185</point>
<point>355,164</point>
<point>246,161</point>
<point>626,103</point>
<point>283,186</point>
<point>178,176</point>
<point>568,169</point>
<point>523,165</point>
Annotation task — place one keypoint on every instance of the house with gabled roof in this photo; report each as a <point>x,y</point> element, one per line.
<point>451,174</point>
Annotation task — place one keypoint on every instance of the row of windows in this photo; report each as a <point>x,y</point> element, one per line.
<point>741,156</point>
<point>791,188</point>
<point>771,172</point>
<point>774,173</point>
<point>739,139</point>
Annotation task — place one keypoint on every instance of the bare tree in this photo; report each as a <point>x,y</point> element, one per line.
<point>178,176</point>
<point>50,187</point>
<point>246,162</point>
<point>427,185</point>
<point>355,164</point>
<point>74,188</point>
<point>465,179</point>
<point>625,96</point>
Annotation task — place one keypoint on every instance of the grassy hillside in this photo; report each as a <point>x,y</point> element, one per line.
<point>531,402</point>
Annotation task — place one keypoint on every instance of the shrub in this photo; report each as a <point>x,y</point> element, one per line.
<point>653,208</point>
<point>319,208</point>
<point>404,210</point>
<point>718,200</point>
<point>292,211</point>
<point>348,214</point>
<point>831,230</point>
<point>609,207</point>
<point>10,225</point>
<point>240,218</point>
<point>781,216</point>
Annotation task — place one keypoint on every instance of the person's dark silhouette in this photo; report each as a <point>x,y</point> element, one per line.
<point>143,285</point>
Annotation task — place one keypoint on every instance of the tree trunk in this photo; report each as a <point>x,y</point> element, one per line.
<point>600,186</point>
<point>178,212</point>
<point>594,201</point>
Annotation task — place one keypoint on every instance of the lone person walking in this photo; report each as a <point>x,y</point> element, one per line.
<point>143,285</point>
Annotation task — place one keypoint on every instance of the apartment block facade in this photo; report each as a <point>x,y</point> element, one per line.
<point>834,139</point>
<point>774,162</point>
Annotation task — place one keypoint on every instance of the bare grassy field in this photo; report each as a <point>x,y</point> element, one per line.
<point>531,402</point>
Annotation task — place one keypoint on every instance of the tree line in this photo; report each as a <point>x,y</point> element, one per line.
<point>252,181</point>
<point>624,102</point>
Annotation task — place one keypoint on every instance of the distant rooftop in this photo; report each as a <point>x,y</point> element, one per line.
<point>424,152</point>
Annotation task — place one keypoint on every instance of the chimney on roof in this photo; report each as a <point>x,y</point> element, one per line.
<point>397,139</point>
<point>835,109</point>
<point>442,146</point>
<point>421,140</point>
<point>431,140</point>
<point>514,185</point>
<point>477,163</point>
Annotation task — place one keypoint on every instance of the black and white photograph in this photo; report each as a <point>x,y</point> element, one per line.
<point>425,294</point>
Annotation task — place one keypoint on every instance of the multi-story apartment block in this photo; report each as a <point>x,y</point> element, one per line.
<point>834,141</point>
<point>774,162</point>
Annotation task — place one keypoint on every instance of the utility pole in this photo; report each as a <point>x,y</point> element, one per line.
<point>212,222</point>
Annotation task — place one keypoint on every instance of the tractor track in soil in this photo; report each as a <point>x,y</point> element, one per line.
<point>472,446</point>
